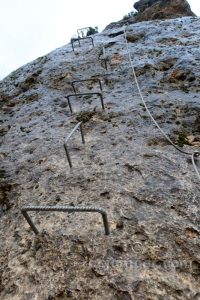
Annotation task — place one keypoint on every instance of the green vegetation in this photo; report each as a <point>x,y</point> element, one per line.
<point>92,30</point>
<point>130,15</point>
<point>183,140</point>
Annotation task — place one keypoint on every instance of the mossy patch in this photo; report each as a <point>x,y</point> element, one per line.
<point>183,140</point>
<point>85,116</point>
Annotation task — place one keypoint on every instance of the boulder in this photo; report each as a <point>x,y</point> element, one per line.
<point>155,9</point>
<point>162,9</point>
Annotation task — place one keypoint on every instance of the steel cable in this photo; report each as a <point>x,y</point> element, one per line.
<point>193,155</point>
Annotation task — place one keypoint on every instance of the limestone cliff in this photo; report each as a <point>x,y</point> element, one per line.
<point>126,167</point>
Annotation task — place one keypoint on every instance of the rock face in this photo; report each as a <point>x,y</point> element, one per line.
<point>126,167</point>
<point>162,9</point>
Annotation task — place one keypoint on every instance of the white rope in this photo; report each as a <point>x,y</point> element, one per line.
<point>194,154</point>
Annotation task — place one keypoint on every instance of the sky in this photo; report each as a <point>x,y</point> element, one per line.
<point>32,28</point>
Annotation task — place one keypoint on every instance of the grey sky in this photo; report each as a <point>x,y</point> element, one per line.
<point>32,28</point>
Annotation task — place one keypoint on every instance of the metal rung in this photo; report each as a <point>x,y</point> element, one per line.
<point>81,31</point>
<point>105,59</point>
<point>67,139</point>
<point>84,94</point>
<point>105,64</point>
<point>25,210</point>
<point>79,39</point>
<point>85,80</point>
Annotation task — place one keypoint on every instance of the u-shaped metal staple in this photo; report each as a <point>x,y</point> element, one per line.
<point>84,94</point>
<point>85,80</point>
<point>67,139</point>
<point>25,210</point>
<point>79,39</point>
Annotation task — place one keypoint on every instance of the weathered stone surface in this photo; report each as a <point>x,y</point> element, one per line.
<point>150,190</point>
